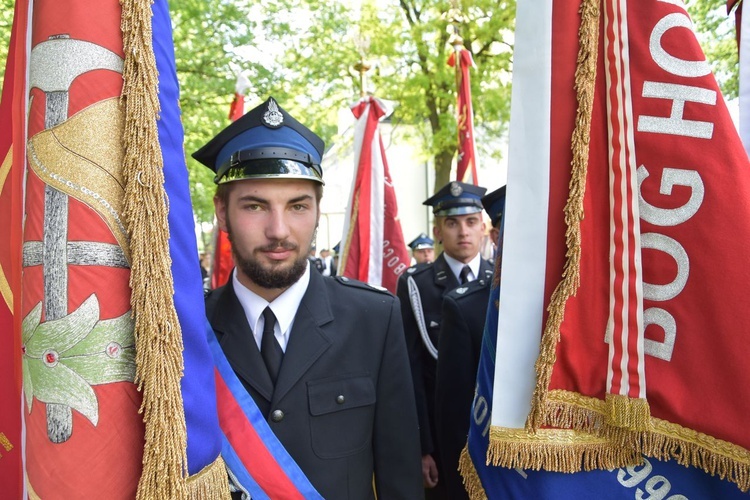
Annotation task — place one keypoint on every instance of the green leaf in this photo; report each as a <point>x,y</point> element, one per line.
<point>102,368</point>
<point>62,334</point>
<point>105,332</point>
<point>61,385</point>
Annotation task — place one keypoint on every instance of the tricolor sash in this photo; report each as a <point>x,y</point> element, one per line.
<point>258,462</point>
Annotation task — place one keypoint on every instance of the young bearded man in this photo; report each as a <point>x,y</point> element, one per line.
<point>323,358</point>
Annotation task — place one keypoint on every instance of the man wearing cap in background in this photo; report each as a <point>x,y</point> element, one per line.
<point>459,226</point>
<point>323,358</point>
<point>460,340</point>
<point>422,249</point>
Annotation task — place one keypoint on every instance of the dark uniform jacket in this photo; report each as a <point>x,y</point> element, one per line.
<point>343,405</point>
<point>464,313</point>
<point>434,281</point>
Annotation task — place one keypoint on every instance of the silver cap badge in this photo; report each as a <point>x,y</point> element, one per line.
<point>456,189</point>
<point>273,118</point>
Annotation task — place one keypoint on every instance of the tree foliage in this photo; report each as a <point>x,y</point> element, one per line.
<point>716,35</point>
<point>302,52</point>
<point>407,47</point>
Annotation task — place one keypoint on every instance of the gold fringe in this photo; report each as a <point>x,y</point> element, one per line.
<point>158,336</point>
<point>472,484</point>
<point>583,414</point>
<point>585,80</point>
<point>209,483</point>
<point>633,414</point>
<point>663,441</point>
<point>558,450</point>
<point>692,448</point>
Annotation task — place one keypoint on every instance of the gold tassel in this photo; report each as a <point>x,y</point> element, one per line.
<point>210,482</point>
<point>158,337</point>
<point>472,484</point>
<point>633,414</point>
<point>585,80</point>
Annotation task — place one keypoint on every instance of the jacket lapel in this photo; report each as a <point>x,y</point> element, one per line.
<point>486,269</point>
<point>307,340</point>
<point>237,342</point>
<point>444,278</point>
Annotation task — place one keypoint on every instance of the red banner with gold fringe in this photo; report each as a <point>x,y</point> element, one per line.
<point>639,307</point>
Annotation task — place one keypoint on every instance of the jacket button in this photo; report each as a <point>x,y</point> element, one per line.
<point>340,399</point>
<point>277,416</point>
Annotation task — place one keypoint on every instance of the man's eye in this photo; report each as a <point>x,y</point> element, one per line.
<point>299,207</point>
<point>253,207</point>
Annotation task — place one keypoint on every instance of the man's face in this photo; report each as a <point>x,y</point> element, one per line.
<point>271,224</point>
<point>461,235</point>
<point>424,255</point>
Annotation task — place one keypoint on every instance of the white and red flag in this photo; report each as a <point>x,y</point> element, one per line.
<point>237,108</point>
<point>466,170</point>
<point>622,329</point>
<point>373,247</point>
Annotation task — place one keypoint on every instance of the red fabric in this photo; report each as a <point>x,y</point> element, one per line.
<point>395,254</point>
<point>12,120</point>
<point>237,108</point>
<point>222,265</point>
<point>357,250</point>
<point>466,170</point>
<point>702,383</point>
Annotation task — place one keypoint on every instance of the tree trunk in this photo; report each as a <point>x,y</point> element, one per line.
<point>443,161</point>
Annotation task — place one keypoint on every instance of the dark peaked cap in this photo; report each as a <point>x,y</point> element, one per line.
<point>494,205</point>
<point>266,142</point>
<point>421,242</point>
<point>456,198</point>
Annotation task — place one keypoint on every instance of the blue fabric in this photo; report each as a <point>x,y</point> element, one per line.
<point>199,399</point>
<point>264,137</point>
<point>655,479</point>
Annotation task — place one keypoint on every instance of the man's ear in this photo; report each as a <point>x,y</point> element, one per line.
<point>436,233</point>
<point>221,213</point>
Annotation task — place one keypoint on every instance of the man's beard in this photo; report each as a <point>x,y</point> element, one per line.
<point>268,277</point>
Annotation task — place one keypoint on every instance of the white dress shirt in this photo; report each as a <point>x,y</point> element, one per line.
<point>284,307</point>
<point>456,266</point>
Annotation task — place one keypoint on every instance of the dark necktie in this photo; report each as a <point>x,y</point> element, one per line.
<point>270,349</point>
<point>464,276</point>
